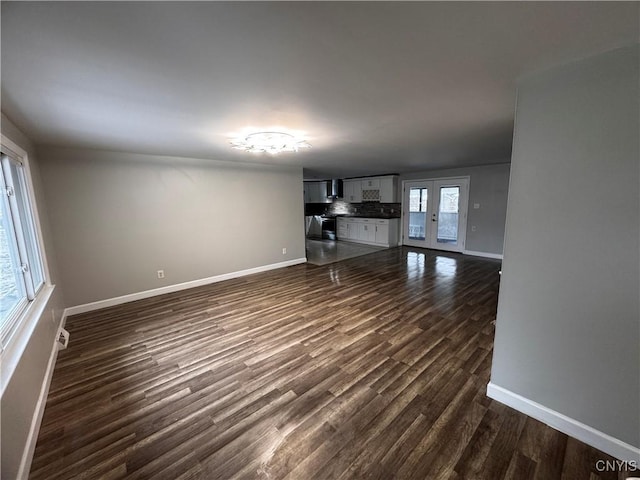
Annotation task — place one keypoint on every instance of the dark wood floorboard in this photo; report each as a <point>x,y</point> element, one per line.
<point>373,367</point>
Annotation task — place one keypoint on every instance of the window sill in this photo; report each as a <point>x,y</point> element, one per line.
<point>17,343</point>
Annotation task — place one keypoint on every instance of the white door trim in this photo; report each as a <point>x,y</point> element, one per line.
<point>464,209</point>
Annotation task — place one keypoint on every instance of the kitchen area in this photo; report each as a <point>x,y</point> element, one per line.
<point>345,218</point>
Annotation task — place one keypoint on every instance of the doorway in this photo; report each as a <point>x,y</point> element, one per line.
<point>435,213</point>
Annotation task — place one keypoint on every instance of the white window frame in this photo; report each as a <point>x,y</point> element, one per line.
<point>18,335</point>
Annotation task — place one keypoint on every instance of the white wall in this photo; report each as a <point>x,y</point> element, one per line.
<point>19,403</point>
<point>568,326</point>
<point>489,186</point>
<point>117,218</point>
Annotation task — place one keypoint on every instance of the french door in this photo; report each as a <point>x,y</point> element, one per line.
<point>435,213</point>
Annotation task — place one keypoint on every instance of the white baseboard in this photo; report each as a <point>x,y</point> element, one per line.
<point>36,421</point>
<point>483,254</point>
<point>580,431</point>
<point>110,302</point>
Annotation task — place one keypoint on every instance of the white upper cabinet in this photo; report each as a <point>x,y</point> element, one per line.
<point>372,189</point>
<point>315,192</point>
<point>356,190</point>
<point>371,183</point>
<point>352,190</point>
<point>389,189</point>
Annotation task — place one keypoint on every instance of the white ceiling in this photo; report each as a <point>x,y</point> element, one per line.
<point>379,87</point>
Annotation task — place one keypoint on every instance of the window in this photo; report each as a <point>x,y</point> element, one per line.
<point>417,199</point>
<point>21,267</point>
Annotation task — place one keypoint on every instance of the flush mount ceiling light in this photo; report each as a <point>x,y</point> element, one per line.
<point>271,141</point>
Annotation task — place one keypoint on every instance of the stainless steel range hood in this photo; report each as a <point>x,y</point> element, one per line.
<point>334,188</point>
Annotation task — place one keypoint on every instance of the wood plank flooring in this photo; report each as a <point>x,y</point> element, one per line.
<point>323,252</point>
<point>373,367</point>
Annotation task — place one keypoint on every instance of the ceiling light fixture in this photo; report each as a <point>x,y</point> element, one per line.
<point>272,141</point>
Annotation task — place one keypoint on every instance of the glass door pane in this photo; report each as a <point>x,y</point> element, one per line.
<point>448,214</point>
<point>418,213</point>
<point>417,203</point>
<point>449,217</point>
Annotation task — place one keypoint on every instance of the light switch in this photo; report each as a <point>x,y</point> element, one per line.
<point>473,228</point>
<point>476,206</point>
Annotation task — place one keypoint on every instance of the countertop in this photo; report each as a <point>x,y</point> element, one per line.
<point>386,217</point>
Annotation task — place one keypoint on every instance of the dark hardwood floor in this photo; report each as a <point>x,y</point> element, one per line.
<point>374,367</point>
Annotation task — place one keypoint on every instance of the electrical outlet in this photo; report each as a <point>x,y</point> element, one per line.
<point>284,251</point>
<point>160,273</point>
<point>476,206</point>
<point>473,228</point>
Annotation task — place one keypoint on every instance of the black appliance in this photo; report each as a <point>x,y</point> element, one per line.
<point>329,228</point>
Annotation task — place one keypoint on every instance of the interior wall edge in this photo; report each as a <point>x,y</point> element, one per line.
<point>497,256</point>
<point>132,297</point>
<point>574,428</point>
<point>36,421</point>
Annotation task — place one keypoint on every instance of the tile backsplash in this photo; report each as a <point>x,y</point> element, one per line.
<point>365,209</point>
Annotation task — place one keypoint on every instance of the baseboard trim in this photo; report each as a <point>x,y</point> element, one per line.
<point>36,421</point>
<point>497,256</point>
<point>584,433</point>
<point>132,297</point>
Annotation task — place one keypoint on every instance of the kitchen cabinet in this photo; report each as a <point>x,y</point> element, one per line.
<point>382,232</point>
<point>352,231</point>
<point>366,232</point>
<point>352,191</point>
<point>389,189</point>
<point>372,189</point>
<point>371,183</point>
<point>316,192</point>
